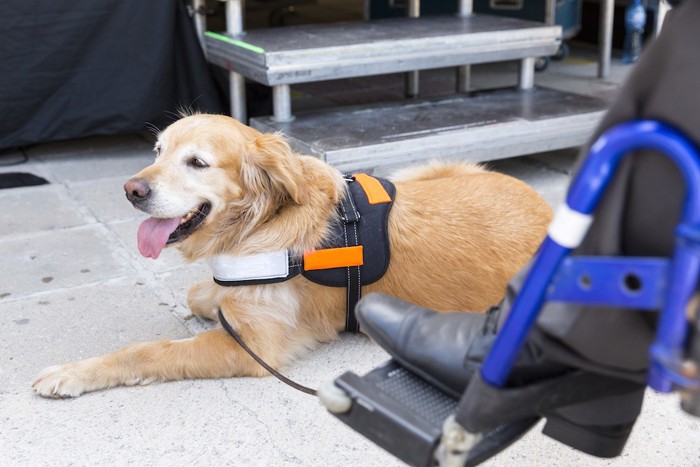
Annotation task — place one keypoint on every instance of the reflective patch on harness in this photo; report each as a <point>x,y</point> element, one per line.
<point>333,258</point>
<point>270,265</point>
<point>374,190</point>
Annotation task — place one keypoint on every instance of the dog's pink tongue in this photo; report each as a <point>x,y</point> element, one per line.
<point>153,235</point>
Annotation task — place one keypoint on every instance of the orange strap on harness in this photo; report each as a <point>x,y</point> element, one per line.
<point>333,258</point>
<point>373,189</point>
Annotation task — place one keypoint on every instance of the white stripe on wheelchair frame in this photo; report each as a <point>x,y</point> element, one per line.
<point>569,227</point>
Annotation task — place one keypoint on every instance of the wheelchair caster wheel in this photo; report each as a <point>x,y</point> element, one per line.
<point>334,398</point>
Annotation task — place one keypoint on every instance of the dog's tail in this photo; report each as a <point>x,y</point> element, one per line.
<point>436,170</point>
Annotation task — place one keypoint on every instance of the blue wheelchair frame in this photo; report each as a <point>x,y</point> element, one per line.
<point>639,283</point>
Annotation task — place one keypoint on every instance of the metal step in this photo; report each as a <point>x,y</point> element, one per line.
<point>301,54</point>
<point>485,126</point>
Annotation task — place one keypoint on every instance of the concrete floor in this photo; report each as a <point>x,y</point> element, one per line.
<point>73,285</point>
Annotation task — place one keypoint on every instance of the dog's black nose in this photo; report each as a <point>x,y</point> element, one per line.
<point>137,190</point>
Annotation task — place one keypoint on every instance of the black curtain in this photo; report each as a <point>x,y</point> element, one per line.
<point>74,68</point>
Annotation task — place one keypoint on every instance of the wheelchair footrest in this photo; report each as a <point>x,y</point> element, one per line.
<point>396,410</point>
<point>406,416</point>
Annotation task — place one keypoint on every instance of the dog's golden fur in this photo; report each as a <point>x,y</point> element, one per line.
<point>458,233</point>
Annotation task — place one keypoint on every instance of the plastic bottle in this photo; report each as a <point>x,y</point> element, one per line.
<point>635,20</point>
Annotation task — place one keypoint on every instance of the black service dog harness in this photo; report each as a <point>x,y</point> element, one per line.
<point>356,252</point>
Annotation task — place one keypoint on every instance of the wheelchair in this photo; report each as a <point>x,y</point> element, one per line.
<point>415,421</point>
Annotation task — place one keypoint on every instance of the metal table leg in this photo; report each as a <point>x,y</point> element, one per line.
<point>282,103</point>
<point>412,77</point>
<point>237,96</point>
<point>234,25</point>
<point>607,12</point>
<point>199,13</point>
<point>526,77</point>
<point>464,72</point>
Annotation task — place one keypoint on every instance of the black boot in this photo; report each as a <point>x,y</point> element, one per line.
<point>443,348</point>
<point>430,344</point>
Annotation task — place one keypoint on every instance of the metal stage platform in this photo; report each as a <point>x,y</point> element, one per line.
<point>484,126</point>
<point>302,54</point>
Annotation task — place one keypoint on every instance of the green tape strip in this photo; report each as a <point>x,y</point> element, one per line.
<point>244,45</point>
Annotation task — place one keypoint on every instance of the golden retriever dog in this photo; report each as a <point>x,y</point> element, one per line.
<point>458,233</point>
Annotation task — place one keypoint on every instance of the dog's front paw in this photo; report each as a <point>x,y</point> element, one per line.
<point>60,381</point>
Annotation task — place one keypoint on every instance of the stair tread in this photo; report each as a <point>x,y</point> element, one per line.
<point>305,53</point>
<point>485,126</point>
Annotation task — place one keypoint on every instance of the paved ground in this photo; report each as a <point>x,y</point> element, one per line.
<point>72,285</point>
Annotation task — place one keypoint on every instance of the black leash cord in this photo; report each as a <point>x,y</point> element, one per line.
<point>260,361</point>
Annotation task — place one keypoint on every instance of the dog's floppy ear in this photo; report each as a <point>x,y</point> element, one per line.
<point>270,167</point>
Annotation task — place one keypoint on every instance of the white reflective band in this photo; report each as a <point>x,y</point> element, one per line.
<point>261,266</point>
<point>569,227</point>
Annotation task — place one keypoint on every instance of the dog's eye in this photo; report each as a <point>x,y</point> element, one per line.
<point>197,163</point>
<point>156,149</point>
